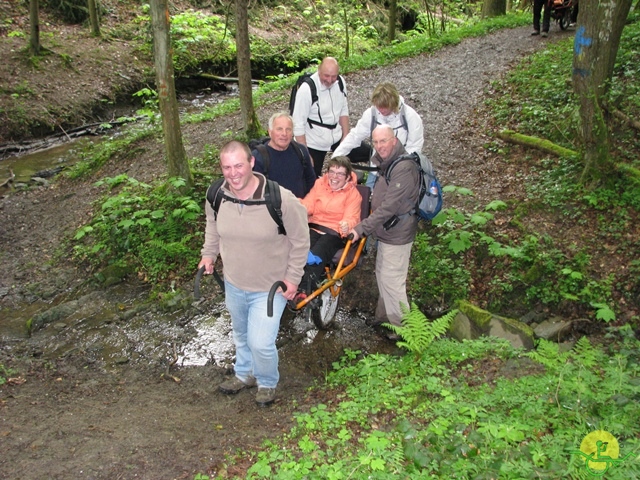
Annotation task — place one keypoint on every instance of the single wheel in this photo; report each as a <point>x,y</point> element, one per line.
<point>566,19</point>
<point>325,313</point>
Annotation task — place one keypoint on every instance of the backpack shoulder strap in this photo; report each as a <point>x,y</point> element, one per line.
<point>266,158</point>
<point>374,121</point>
<point>212,196</point>
<point>341,84</point>
<point>409,156</point>
<point>312,86</point>
<point>403,119</point>
<point>272,199</point>
<point>274,204</point>
<point>300,153</point>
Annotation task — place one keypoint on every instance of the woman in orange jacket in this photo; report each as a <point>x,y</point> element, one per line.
<point>333,207</point>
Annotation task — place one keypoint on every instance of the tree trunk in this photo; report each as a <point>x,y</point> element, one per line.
<point>347,38</point>
<point>94,20</point>
<point>176,156</point>
<point>243,51</point>
<point>594,53</point>
<point>393,16</point>
<point>34,38</point>
<point>494,8</point>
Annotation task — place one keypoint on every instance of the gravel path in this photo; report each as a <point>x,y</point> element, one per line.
<point>444,88</point>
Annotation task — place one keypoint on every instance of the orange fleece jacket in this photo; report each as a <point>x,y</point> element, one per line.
<point>329,208</point>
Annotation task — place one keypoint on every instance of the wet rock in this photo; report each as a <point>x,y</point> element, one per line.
<point>63,311</point>
<point>472,322</point>
<point>47,173</point>
<point>554,329</point>
<point>53,314</point>
<point>40,181</point>
<point>534,316</point>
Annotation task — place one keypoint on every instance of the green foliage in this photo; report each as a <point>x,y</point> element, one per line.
<point>5,373</point>
<point>417,331</point>
<point>463,245</point>
<point>97,154</point>
<point>538,99</point>
<point>200,38</point>
<point>445,415</point>
<point>148,97</point>
<point>151,227</point>
<point>437,277</point>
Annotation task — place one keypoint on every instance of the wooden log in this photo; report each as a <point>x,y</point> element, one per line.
<point>216,78</point>
<point>55,139</point>
<point>510,136</point>
<point>624,118</point>
<point>632,172</point>
<point>9,180</point>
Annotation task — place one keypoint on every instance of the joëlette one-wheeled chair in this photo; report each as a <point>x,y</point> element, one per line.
<point>321,304</point>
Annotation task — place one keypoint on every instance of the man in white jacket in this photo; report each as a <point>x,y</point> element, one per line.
<point>322,122</point>
<point>388,108</point>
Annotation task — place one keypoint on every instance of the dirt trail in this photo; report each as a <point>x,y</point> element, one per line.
<point>75,418</point>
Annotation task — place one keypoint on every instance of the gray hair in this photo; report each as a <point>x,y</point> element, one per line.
<point>276,115</point>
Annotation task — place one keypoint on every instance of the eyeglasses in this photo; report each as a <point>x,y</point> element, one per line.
<point>333,173</point>
<point>382,141</point>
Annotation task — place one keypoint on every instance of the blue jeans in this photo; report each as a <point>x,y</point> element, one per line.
<point>254,334</point>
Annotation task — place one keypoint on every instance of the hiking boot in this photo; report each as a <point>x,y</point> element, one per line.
<point>265,396</point>
<point>234,385</point>
<point>393,336</point>
<point>544,34</point>
<point>535,32</point>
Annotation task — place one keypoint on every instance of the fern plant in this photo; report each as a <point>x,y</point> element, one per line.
<point>548,354</point>
<point>417,331</point>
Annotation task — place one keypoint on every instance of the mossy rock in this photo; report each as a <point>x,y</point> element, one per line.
<point>472,322</point>
<point>113,274</point>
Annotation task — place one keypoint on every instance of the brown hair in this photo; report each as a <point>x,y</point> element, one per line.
<point>341,161</point>
<point>386,95</point>
<point>235,145</point>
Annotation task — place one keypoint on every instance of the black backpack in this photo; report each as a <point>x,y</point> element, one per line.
<point>260,144</point>
<point>430,198</point>
<point>272,200</point>
<point>306,78</point>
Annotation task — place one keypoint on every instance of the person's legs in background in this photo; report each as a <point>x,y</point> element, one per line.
<point>318,157</point>
<point>537,11</point>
